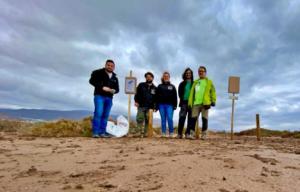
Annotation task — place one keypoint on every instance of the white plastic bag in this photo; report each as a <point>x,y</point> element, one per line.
<point>119,130</point>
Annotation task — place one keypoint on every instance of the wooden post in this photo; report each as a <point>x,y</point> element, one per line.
<point>129,103</point>
<point>150,123</point>
<point>258,135</point>
<point>232,114</point>
<point>197,130</point>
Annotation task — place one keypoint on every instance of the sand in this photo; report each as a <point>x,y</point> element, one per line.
<point>149,164</point>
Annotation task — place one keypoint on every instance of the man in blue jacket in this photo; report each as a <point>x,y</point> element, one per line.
<point>106,85</point>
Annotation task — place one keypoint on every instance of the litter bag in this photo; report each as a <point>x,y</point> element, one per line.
<point>119,130</point>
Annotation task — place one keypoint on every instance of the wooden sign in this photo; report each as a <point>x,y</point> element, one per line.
<point>234,84</point>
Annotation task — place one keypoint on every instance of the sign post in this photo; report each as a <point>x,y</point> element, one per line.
<point>130,88</point>
<point>234,88</point>
<point>197,131</point>
<point>150,125</point>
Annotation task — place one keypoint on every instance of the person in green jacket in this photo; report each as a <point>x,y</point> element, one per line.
<point>202,97</point>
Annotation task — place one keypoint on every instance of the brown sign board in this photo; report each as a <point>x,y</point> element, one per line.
<point>233,84</point>
<point>130,85</point>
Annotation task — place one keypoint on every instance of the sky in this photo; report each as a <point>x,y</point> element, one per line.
<point>48,50</point>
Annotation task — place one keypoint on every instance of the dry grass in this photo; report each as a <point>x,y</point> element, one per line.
<point>14,125</point>
<point>270,133</point>
<point>62,128</point>
<point>82,128</point>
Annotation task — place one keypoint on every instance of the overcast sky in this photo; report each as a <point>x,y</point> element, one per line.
<point>48,50</point>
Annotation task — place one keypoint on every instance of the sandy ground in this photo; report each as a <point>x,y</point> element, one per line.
<point>148,164</point>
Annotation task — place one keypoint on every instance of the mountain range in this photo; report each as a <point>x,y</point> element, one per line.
<point>43,114</point>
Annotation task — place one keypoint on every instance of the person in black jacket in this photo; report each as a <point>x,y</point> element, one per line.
<point>166,97</point>
<point>184,93</point>
<point>106,85</point>
<point>144,100</point>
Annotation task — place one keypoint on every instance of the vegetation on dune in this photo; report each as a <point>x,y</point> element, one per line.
<point>62,128</point>
<point>14,125</point>
<point>82,128</point>
<point>270,133</point>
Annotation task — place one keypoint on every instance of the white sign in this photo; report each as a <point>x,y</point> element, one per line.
<point>130,85</point>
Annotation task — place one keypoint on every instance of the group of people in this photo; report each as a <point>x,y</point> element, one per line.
<point>196,96</point>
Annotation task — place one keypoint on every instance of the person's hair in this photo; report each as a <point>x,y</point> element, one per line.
<point>202,67</point>
<point>109,61</point>
<point>184,74</point>
<point>149,73</point>
<point>162,77</point>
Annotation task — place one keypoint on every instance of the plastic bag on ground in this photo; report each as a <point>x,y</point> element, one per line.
<point>119,130</point>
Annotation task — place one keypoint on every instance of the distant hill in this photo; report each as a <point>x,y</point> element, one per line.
<point>43,114</point>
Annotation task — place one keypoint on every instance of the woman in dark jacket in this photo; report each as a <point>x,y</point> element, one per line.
<point>184,93</point>
<point>166,103</point>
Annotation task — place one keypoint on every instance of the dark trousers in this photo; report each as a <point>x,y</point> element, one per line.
<point>193,124</point>
<point>184,112</point>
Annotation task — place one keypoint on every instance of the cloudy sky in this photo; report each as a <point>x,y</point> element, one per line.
<point>48,50</point>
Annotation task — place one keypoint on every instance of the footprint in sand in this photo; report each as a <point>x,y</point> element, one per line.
<point>263,159</point>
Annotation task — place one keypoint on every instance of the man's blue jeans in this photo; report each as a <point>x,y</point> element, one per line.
<point>166,114</point>
<point>102,109</point>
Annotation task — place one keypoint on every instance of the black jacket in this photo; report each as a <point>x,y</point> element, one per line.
<point>166,94</point>
<point>181,88</point>
<point>145,95</point>
<point>99,79</point>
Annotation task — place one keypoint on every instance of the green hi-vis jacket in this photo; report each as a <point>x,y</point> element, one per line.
<point>209,93</point>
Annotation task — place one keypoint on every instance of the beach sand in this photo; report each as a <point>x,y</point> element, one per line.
<point>149,164</point>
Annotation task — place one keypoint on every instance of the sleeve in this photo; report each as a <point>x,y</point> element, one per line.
<point>93,79</point>
<point>155,105</point>
<point>191,97</point>
<point>180,90</point>
<point>175,97</point>
<point>137,94</point>
<point>117,86</point>
<point>157,97</point>
<point>213,94</point>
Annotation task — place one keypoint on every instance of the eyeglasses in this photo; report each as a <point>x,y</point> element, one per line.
<point>201,71</point>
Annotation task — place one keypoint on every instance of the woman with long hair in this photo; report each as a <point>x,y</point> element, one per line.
<point>184,89</point>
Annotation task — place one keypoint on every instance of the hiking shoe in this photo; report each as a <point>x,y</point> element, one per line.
<point>96,136</point>
<point>163,135</point>
<point>105,135</point>
<point>179,137</point>
<point>203,135</point>
<point>189,137</point>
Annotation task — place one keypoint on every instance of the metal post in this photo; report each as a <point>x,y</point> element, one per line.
<point>232,114</point>
<point>129,103</point>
